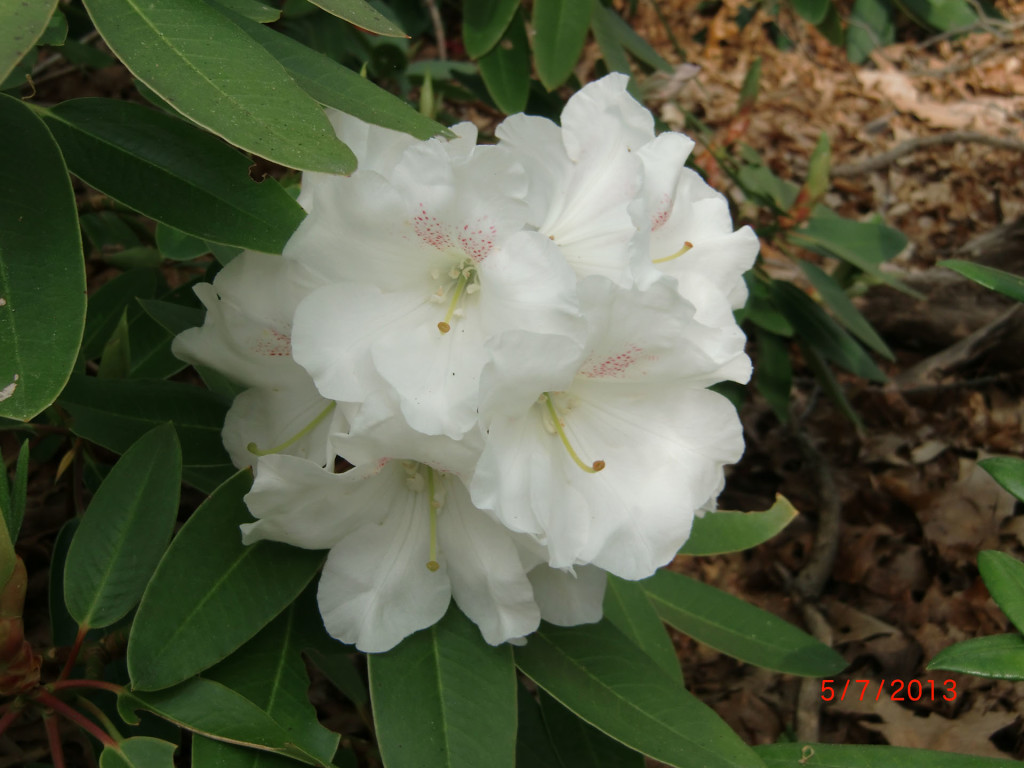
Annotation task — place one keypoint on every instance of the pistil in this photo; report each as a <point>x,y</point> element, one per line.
<point>253,449</point>
<point>435,505</point>
<point>686,246</point>
<point>556,422</point>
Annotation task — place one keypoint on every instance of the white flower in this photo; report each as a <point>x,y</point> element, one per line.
<point>605,451</point>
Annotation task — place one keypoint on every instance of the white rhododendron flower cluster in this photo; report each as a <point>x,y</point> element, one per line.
<point>511,345</point>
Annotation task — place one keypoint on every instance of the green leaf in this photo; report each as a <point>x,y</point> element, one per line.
<point>361,14</point>
<point>738,628</point>
<point>580,745</point>
<point>334,85</point>
<point>615,57</point>
<point>773,374</point>
<point>802,755</point>
<point>627,606</point>
<point>596,672</point>
<point>56,31</point>
<point>13,498</point>
<point>751,84</point>
<point>720,532</point>
<point>870,27</point>
<point>269,671</point>
<point>560,29</point>
<point>63,628</point>
<point>21,24</point>
<point>813,11</point>
<point>760,308</point>
<point>822,333</point>
<point>173,172</point>
<point>176,245</point>
<point>444,697</point>
<point>1005,283</point>
<point>818,170</point>
<point>484,23</point>
<point>943,15</point>
<point>174,318</point>
<point>214,74</point>
<point>1004,577</point>
<point>256,10</point>
<point>115,413</point>
<point>139,752</point>
<point>614,25</point>
<point>996,656</point>
<point>830,384</point>
<point>124,531</point>
<point>506,69</point>
<point>835,298</point>
<point>213,710</point>
<point>116,360</point>
<point>42,300</point>
<point>210,593</point>
<point>109,303</point>
<point>1008,471</point>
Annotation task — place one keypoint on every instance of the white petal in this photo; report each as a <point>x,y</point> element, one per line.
<point>523,366</point>
<point>569,598</point>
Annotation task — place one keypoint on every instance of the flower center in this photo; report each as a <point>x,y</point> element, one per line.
<point>466,281</point>
<point>686,246</point>
<point>420,477</point>
<point>256,451</point>
<point>554,424</point>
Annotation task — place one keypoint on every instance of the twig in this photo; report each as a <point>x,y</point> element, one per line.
<point>913,145</point>
<point>53,738</point>
<point>435,19</point>
<point>59,707</point>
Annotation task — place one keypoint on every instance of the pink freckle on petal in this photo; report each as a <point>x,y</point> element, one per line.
<point>273,344</point>
<point>613,367</point>
<point>660,217</point>
<point>478,243</point>
<point>432,230</point>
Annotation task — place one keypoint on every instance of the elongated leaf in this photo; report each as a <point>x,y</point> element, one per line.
<point>1004,577</point>
<point>13,497</point>
<point>139,752</point>
<point>444,697</point>
<point>210,593</point>
<point>506,69</point>
<point>835,298</point>
<point>361,14</point>
<point>63,628</point>
<point>174,318</point>
<point>125,530</point>
<point>209,753</point>
<point>613,24</point>
<point>213,73</point>
<point>800,755</point>
<point>109,303</point>
<point>998,656</point>
<point>943,15</point>
<point>256,10</point>
<point>612,50</point>
<point>560,29</point>
<point>737,628</point>
<point>871,26</point>
<point>822,333</point>
<point>720,532</point>
<point>21,24</point>
<point>813,11</point>
<point>173,172</point>
<point>1008,471</point>
<point>596,672</point>
<point>533,745</point>
<point>116,413</point>
<point>42,300</point>
<point>1005,283</point>
<point>773,374</point>
<point>213,710</point>
<point>484,23</point>
<point>579,744</point>
<point>176,245</point>
<point>627,606</point>
<point>334,85</point>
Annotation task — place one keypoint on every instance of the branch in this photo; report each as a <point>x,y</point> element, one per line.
<point>913,145</point>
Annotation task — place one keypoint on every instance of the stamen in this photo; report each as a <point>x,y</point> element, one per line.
<point>597,466</point>
<point>255,451</point>
<point>686,246</point>
<point>444,326</point>
<point>435,505</point>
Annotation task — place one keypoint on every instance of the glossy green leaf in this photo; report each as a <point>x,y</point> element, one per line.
<point>63,627</point>
<point>269,671</point>
<point>996,656</point>
<point>173,172</point>
<point>208,69</point>
<point>256,10</point>
<point>614,25</point>
<point>829,383</point>
<point>751,85</point>
<point>615,57</point>
<point>13,497</point>
<point>727,531</point>
<point>835,298</point>
<point>533,745</point>
<point>108,304</point>
<point>115,413</point>
<point>334,85</point>
<point>361,14</point>
<point>21,24</point>
<point>56,32</point>
<point>116,360</point>
<point>176,245</point>
<point>1004,577</point>
<point>211,709</point>
<point>209,753</point>
<point>813,11</point>
<point>599,674</point>
<point>822,333</point>
<point>579,744</point>
<point>484,23</point>
<point>125,531</point>
<point>174,318</point>
<point>42,300</point>
<point>560,29</point>
<point>444,697</point>
<point>737,628</point>
<point>210,593</point>
<point>627,606</point>
<point>1005,283</point>
<point>1008,471</point>
<point>506,69</point>
<point>773,374</point>
<point>800,755</point>
<point>871,26</point>
<point>818,169</point>
<point>139,752</point>
<point>760,308</point>
<point>943,15</point>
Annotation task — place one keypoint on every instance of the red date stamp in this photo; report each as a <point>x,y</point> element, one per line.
<point>895,690</point>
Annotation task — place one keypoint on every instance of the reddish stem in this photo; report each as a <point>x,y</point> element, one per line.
<point>103,685</point>
<point>73,656</point>
<point>9,716</point>
<point>53,737</point>
<point>62,709</point>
